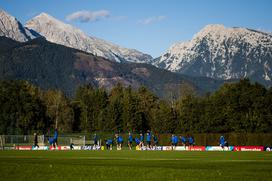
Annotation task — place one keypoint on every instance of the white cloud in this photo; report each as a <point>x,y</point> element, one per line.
<point>88,16</point>
<point>151,20</point>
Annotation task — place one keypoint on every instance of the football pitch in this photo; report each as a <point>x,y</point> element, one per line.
<point>134,165</point>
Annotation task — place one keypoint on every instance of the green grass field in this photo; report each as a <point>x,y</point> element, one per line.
<point>134,165</point>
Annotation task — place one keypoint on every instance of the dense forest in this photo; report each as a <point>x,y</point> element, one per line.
<point>240,107</point>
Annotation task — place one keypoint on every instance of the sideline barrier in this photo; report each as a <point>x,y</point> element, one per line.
<point>55,148</point>
<point>189,148</point>
<point>23,147</point>
<point>40,148</point>
<point>268,148</point>
<point>144,148</point>
<point>90,147</point>
<point>180,148</point>
<point>197,148</point>
<point>167,148</point>
<point>77,148</point>
<point>248,148</point>
<point>9,148</point>
<point>204,139</point>
<point>64,147</point>
<point>158,148</point>
<point>219,148</point>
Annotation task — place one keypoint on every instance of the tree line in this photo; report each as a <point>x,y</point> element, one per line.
<point>240,107</point>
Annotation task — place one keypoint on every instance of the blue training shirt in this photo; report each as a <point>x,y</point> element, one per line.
<point>142,138</point>
<point>148,138</point>
<point>119,139</point>
<point>175,139</point>
<point>56,134</point>
<point>190,140</point>
<point>155,139</point>
<point>137,141</point>
<point>51,141</point>
<point>222,140</point>
<point>130,138</point>
<point>183,139</point>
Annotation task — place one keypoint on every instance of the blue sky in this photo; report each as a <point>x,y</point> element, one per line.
<point>150,26</point>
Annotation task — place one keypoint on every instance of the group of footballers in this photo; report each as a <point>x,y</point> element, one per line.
<point>185,141</point>
<point>53,141</point>
<point>151,141</point>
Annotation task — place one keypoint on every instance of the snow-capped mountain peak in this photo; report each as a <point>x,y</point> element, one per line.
<point>46,20</point>
<point>223,53</point>
<point>10,27</point>
<point>220,33</point>
<point>59,32</point>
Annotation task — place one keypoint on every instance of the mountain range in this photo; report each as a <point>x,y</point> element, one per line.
<point>58,32</point>
<point>222,53</point>
<point>54,66</point>
<point>52,54</point>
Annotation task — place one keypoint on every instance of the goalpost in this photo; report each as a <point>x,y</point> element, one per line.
<point>1,142</point>
<point>78,140</point>
<point>10,141</point>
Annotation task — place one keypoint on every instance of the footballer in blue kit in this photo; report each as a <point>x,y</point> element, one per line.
<point>56,135</point>
<point>119,140</point>
<point>183,140</point>
<point>51,142</point>
<point>174,140</point>
<point>109,143</point>
<point>148,140</point>
<point>222,142</point>
<point>141,140</point>
<point>137,141</point>
<point>191,141</point>
<point>130,140</point>
<point>95,138</point>
<point>155,140</point>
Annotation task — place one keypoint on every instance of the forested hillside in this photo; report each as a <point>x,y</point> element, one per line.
<point>53,66</point>
<point>239,107</point>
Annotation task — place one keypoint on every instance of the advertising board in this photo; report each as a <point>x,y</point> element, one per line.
<point>152,148</point>
<point>166,148</point>
<point>23,147</point>
<point>248,148</point>
<point>180,148</point>
<point>55,148</point>
<point>197,148</point>
<point>89,147</point>
<point>40,148</point>
<point>268,148</point>
<point>219,148</point>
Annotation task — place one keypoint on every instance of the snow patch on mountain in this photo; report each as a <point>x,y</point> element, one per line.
<point>10,27</point>
<point>220,52</point>
<point>58,32</point>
